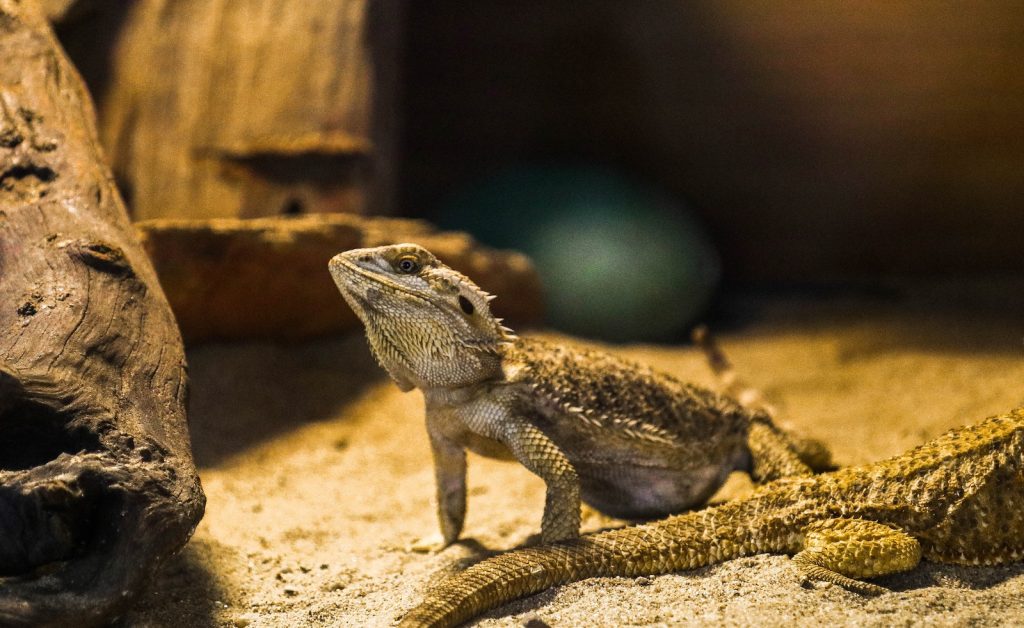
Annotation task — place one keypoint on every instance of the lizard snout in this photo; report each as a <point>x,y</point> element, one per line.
<point>336,262</point>
<point>346,259</point>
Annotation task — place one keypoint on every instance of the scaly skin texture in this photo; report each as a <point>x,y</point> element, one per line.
<point>958,499</point>
<point>632,442</point>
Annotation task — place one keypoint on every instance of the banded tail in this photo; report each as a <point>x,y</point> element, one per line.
<point>729,382</point>
<point>686,541</point>
<point>811,452</point>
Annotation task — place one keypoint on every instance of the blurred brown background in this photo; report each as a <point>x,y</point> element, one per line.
<point>817,140</point>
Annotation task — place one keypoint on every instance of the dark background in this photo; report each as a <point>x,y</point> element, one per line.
<point>817,140</point>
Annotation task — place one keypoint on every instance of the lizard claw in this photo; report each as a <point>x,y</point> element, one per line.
<point>430,544</point>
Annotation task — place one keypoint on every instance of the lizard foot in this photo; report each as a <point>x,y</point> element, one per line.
<point>430,544</point>
<point>841,551</point>
<point>812,575</point>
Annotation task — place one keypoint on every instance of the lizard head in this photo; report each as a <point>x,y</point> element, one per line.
<point>427,324</point>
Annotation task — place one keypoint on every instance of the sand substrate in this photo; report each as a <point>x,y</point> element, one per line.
<point>318,473</point>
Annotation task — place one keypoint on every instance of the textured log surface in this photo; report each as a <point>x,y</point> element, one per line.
<point>97,482</point>
<point>267,278</point>
<point>247,108</point>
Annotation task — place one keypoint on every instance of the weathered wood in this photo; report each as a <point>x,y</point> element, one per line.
<point>252,107</point>
<point>267,278</point>
<point>97,483</point>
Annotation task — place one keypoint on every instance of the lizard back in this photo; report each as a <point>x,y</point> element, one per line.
<point>617,396</point>
<point>961,491</point>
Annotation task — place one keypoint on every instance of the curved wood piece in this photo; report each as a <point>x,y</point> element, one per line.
<point>232,279</point>
<point>97,483</point>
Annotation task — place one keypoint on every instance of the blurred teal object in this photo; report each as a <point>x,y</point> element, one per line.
<point>620,261</point>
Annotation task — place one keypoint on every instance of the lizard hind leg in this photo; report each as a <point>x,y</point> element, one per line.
<point>771,452</point>
<point>779,445</point>
<point>842,551</point>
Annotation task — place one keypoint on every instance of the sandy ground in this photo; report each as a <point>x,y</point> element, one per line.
<point>318,473</point>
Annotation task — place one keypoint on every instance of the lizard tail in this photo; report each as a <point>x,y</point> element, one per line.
<point>728,381</point>
<point>681,542</point>
<point>812,452</point>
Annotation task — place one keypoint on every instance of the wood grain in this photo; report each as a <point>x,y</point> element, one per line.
<point>97,481</point>
<point>249,108</point>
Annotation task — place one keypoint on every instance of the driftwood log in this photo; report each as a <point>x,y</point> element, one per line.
<point>97,483</point>
<point>230,279</point>
<point>247,108</point>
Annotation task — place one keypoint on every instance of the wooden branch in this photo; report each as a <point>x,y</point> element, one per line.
<point>97,483</point>
<point>267,278</point>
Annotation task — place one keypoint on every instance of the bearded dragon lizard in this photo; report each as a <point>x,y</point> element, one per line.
<point>631,442</point>
<point>958,499</point>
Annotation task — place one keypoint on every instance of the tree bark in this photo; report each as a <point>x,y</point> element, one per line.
<point>97,483</point>
<point>252,108</point>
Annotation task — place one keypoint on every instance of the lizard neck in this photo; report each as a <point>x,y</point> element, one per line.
<point>455,395</point>
<point>434,360</point>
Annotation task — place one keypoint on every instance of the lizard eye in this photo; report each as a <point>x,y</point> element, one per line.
<point>466,305</point>
<point>407,265</point>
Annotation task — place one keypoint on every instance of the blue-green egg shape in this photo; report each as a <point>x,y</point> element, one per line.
<point>620,260</point>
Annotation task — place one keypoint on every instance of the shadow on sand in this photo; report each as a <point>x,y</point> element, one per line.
<point>185,592</point>
<point>247,394</point>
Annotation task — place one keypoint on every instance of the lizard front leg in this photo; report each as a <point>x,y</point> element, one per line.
<point>450,476</point>
<point>500,416</point>
<point>540,455</point>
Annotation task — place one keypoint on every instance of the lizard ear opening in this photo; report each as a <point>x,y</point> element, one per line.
<point>466,305</point>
